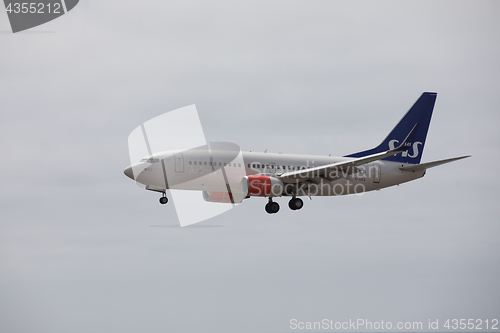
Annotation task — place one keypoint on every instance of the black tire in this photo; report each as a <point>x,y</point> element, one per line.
<point>296,204</point>
<point>274,207</point>
<point>268,208</point>
<point>163,200</point>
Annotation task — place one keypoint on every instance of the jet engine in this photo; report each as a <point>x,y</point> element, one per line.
<point>262,186</point>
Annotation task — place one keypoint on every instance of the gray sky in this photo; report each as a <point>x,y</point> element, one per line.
<point>80,246</point>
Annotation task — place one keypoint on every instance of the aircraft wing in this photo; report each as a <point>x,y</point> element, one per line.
<point>331,171</point>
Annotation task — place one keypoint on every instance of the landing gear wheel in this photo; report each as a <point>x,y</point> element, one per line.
<point>295,204</point>
<point>163,200</point>
<point>272,207</point>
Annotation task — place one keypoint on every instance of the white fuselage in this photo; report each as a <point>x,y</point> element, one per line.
<point>203,171</point>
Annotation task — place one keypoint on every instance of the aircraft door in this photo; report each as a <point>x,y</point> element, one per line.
<point>272,168</point>
<point>179,162</point>
<point>376,173</point>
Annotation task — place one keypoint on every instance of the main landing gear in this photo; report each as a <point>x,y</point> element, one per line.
<point>294,204</point>
<point>272,207</point>
<point>163,199</point>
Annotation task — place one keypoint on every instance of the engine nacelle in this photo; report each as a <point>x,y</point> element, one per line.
<point>262,186</point>
<point>216,196</point>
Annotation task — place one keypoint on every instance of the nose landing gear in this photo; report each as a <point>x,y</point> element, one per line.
<point>163,199</point>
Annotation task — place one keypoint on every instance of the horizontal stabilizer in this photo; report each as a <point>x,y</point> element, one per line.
<point>428,165</point>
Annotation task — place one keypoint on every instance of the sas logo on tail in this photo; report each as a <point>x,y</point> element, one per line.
<point>392,145</point>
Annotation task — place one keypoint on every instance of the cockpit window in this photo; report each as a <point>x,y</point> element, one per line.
<point>150,160</point>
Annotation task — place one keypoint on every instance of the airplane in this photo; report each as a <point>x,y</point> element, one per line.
<point>224,174</point>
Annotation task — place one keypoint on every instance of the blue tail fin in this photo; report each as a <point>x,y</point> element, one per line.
<point>420,113</point>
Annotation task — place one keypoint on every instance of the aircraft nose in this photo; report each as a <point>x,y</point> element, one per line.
<point>128,172</point>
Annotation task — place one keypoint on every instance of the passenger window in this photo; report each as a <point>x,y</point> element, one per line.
<point>194,162</point>
<point>239,165</point>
